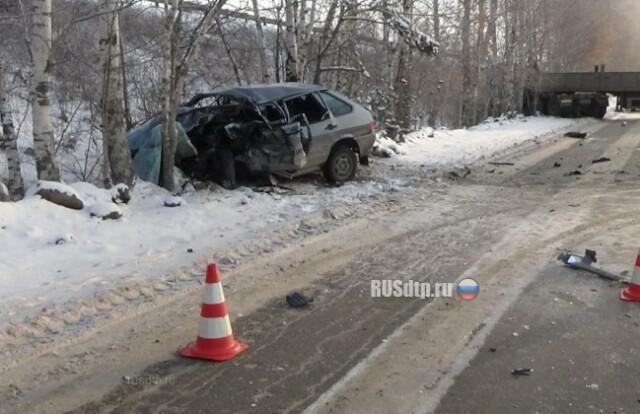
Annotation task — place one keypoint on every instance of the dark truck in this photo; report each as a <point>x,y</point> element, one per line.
<point>284,129</point>
<point>582,94</point>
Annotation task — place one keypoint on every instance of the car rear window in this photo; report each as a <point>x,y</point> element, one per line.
<point>337,106</point>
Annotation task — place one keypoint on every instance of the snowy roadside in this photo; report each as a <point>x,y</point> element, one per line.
<point>97,265</point>
<point>450,149</point>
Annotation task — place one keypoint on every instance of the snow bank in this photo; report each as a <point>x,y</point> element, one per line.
<point>455,148</point>
<point>52,254</point>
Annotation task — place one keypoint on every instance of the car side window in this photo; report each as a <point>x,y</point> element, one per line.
<point>337,106</point>
<point>308,105</point>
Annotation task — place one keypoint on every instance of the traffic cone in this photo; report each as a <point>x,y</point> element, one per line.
<point>215,340</point>
<point>632,292</point>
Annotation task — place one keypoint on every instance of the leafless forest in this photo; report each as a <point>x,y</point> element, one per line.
<point>76,74</point>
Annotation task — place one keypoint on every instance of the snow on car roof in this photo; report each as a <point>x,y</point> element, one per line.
<point>261,94</point>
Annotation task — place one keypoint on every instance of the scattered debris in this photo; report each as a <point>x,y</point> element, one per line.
<point>174,201</point>
<point>522,372</point>
<point>120,194</point>
<point>501,163</point>
<point>584,263</point>
<point>593,387</point>
<point>557,165</point>
<point>602,159</point>
<point>298,300</point>
<point>105,211</point>
<point>227,261</point>
<point>15,391</point>
<point>328,214</point>
<point>572,173</point>
<point>66,238</point>
<point>579,135</point>
<point>458,176</point>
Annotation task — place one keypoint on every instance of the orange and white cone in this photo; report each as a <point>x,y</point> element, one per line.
<point>632,292</point>
<point>215,340</point>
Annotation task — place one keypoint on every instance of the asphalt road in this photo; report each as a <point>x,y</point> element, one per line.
<point>578,337</point>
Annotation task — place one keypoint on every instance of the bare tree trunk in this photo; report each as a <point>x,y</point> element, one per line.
<point>326,38</point>
<point>169,141</point>
<point>9,142</point>
<point>524,47</point>
<point>262,50</point>
<point>174,76</point>
<point>387,70</point>
<point>493,36</point>
<point>402,88</point>
<point>291,43</point>
<point>306,40</point>
<point>40,91</point>
<point>276,55</point>
<point>402,85</point>
<point>510,58</point>
<point>436,92</point>
<point>479,101</point>
<point>117,156</point>
<point>436,19</point>
<point>229,50</point>
<point>467,115</point>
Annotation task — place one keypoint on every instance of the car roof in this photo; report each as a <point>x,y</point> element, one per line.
<point>261,94</point>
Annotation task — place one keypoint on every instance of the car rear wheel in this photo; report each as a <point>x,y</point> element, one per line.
<point>341,165</point>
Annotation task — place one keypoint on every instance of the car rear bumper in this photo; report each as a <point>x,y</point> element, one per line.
<point>365,143</point>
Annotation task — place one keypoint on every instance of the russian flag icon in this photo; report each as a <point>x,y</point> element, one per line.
<point>468,289</point>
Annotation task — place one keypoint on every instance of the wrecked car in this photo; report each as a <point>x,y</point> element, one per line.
<point>285,129</point>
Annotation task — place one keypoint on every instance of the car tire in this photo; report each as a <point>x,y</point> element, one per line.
<point>341,165</point>
<point>226,168</point>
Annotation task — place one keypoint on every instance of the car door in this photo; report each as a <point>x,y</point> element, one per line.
<point>321,125</point>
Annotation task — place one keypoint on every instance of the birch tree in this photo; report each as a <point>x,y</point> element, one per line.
<point>116,155</point>
<point>467,71</point>
<point>169,50</point>
<point>175,70</point>
<point>402,84</point>
<point>262,49</point>
<point>9,142</point>
<point>41,91</point>
<point>292,70</point>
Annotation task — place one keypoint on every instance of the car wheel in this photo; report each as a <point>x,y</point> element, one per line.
<point>341,165</point>
<point>226,168</point>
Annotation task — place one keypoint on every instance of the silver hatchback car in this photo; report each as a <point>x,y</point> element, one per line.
<point>285,129</point>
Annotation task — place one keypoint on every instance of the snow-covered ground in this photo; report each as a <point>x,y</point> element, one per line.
<point>455,148</point>
<point>54,255</point>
